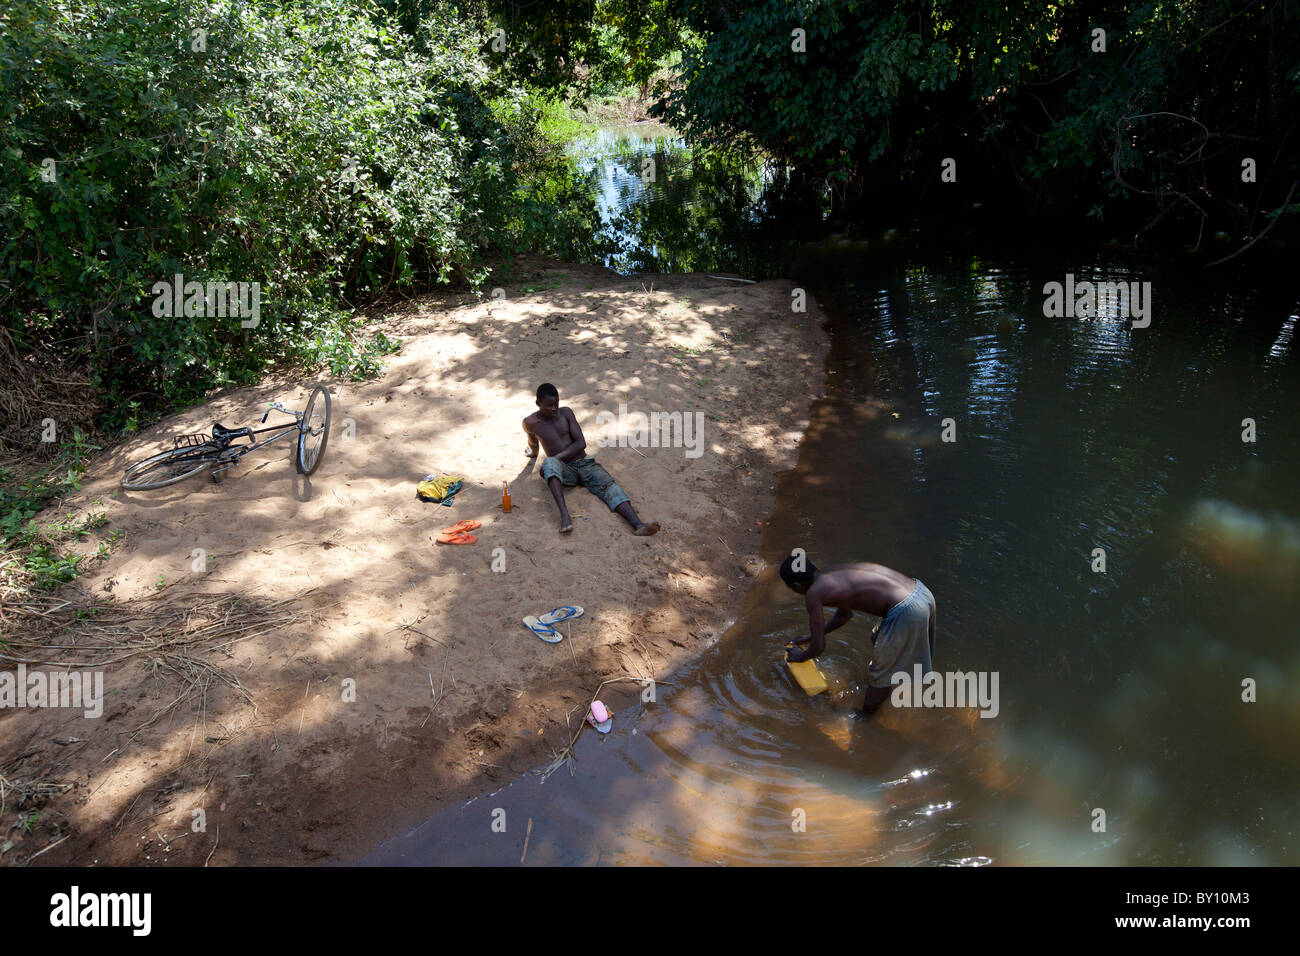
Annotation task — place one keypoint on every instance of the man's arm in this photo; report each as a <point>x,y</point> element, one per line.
<point>841,618</point>
<point>817,635</point>
<point>531,451</point>
<point>575,449</point>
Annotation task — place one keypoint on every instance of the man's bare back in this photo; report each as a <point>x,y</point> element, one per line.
<point>868,587</point>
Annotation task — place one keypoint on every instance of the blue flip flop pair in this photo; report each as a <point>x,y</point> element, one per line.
<point>544,626</point>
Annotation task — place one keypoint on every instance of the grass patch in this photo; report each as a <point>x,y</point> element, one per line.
<point>34,557</point>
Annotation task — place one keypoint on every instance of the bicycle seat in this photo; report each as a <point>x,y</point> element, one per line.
<point>222,433</point>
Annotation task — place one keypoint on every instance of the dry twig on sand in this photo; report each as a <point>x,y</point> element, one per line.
<point>171,638</point>
<point>564,756</point>
<point>19,790</point>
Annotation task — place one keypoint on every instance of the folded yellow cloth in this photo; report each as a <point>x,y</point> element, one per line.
<point>437,487</point>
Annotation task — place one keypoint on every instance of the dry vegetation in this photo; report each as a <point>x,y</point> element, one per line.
<point>182,644</point>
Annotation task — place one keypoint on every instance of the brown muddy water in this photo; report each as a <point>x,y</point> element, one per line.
<point>1119,691</point>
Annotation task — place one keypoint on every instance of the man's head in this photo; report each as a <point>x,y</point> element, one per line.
<point>798,581</point>
<point>548,400</point>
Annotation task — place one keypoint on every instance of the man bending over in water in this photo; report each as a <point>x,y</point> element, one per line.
<point>903,638</point>
<point>568,464</point>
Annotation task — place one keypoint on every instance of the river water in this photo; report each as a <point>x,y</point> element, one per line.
<point>1119,691</point>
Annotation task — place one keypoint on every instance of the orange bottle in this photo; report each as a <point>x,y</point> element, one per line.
<point>505,498</point>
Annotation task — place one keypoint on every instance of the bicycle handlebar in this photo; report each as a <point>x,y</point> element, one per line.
<point>278,407</point>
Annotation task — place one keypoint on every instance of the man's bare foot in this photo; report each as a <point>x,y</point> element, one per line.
<point>648,529</point>
<point>566,525</point>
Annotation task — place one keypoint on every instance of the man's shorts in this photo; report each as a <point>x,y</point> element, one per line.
<point>903,638</point>
<point>587,473</point>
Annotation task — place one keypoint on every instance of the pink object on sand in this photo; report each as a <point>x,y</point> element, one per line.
<point>599,716</point>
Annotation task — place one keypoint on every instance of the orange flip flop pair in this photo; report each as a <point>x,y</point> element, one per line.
<point>459,533</point>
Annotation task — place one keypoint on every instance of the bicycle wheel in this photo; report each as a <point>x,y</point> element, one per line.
<point>170,467</point>
<point>313,431</point>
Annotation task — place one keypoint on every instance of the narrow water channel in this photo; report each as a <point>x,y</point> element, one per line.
<point>1119,690</point>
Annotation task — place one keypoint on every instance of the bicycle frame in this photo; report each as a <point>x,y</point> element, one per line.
<point>239,451</point>
<point>214,453</point>
<point>229,451</point>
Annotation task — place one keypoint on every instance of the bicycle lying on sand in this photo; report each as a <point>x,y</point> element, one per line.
<point>194,454</point>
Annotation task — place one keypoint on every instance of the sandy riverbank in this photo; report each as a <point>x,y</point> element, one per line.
<point>279,759</point>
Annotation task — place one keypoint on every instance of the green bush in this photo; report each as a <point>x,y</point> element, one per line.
<point>870,97</point>
<point>318,152</point>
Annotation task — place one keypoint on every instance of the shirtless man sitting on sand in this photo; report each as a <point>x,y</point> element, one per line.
<point>567,462</point>
<point>904,637</point>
